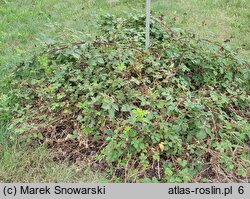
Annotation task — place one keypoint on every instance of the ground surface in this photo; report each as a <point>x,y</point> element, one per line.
<point>24,23</point>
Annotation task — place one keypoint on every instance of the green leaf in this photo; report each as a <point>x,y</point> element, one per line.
<point>168,171</point>
<point>201,135</point>
<point>127,108</point>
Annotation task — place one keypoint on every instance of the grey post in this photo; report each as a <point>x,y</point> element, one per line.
<point>148,24</point>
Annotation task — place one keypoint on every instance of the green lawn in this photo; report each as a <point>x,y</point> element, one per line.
<point>25,23</point>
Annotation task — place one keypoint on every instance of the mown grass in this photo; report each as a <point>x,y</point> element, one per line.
<point>24,23</point>
<point>22,164</point>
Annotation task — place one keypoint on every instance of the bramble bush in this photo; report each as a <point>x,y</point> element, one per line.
<point>178,112</point>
